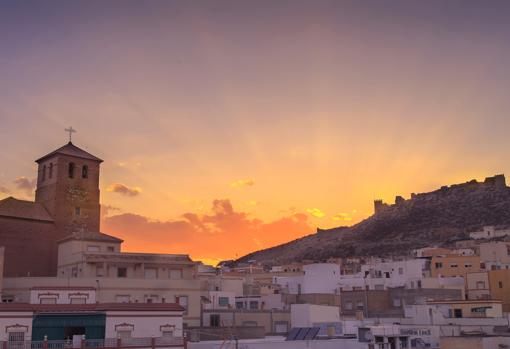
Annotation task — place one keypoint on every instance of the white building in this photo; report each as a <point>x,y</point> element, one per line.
<point>495,255</point>
<point>489,232</point>
<point>317,278</point>
<point>383,275</point>
<point>327,318</point>
<point>98,322</point>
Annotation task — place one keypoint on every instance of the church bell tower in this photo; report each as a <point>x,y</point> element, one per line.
<point>68,187</point>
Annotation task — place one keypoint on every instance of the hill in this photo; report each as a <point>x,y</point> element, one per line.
<point>439,218</point>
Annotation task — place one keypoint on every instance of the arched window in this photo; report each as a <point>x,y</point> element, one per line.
<point>44,172</point>
<point>85,171</point>
<point>70,170</point>
<point>51,170</point>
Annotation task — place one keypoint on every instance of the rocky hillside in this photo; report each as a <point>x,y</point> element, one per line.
<point>439,217</point>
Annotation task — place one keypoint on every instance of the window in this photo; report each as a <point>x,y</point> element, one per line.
<point>500,284</point>
<point>121,272</point>
<point>359,305</point>
<point>254,304</point>
<point>348,305</point>
<point>167,333</point>
<point>453,265</point>
<point>77,211</point>
<point>74,272</point>
<point>7,299</point>
<point>16,337</point>
<point>468,265</point>
<point>85,171</point>
<point>151,273</point>
<point>70,170</point>
<point>239,305</point>
<point>281,326</point>
<point>99,270</point>
<point>418,283</point>
<point>51,170</point>
<point>479,311</point>
<point>124,335</point>
<point>48,300</point>
<point>175,274</point>
<point>183,302</point>
<point>78,300</point>
<point>457,313</point>
<point>122,299</point>
<point>223,301</point>
<point>110,249</point>
<point>480,285</point>
<point>400,271</point>
<point>439,265</point>
<point>44,172</point>
<point>93,248</point>
<point>397,302</point>
<point>214,320</point>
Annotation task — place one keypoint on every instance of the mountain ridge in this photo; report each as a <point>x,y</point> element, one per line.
<point>439,217</point>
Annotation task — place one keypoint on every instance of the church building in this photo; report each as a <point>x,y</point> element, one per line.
<point>66,202</point>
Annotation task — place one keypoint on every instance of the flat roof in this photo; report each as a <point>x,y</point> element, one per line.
<point>94,307</point>
<point>464,301</point>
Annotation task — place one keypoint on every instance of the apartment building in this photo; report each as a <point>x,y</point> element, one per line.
<point>455,265</point>
<point>95,260</point>
<point>499,286</point>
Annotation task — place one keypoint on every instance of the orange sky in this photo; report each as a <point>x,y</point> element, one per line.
<point>232,126</point>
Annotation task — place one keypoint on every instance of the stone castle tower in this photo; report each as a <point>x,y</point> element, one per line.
<point>68,187</point>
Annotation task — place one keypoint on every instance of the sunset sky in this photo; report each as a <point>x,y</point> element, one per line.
<point>230,126</point>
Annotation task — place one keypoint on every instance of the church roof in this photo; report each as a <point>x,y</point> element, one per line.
<point>71,150</point>
<point>90,236</point>
<point>11,207</point>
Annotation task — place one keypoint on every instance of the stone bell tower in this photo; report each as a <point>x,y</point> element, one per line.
<point>68,187</point>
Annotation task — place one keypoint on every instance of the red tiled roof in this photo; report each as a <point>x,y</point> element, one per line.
<point>71,150</point>
<point>70,288</point>
<point>95,307</point>
<point>11,207</point>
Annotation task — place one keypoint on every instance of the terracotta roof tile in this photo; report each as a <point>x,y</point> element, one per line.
<point>95,307</point>
<point>11,207</point>
<point>90,236</point>
<point>71,150</point>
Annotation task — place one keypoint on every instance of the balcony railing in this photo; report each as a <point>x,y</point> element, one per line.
<point>131,343</point>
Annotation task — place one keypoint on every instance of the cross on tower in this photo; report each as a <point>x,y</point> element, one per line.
<point>71,130</point>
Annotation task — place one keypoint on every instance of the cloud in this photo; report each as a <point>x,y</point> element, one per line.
<point>240,183</point>
<point>106,210</point>
<point>252,203</point>
<point>344,217</point>
<point>25,184</point>
<point>223,233</point>
<point>124,189</point>
<point>315,212</point>
<point>4,190</point>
